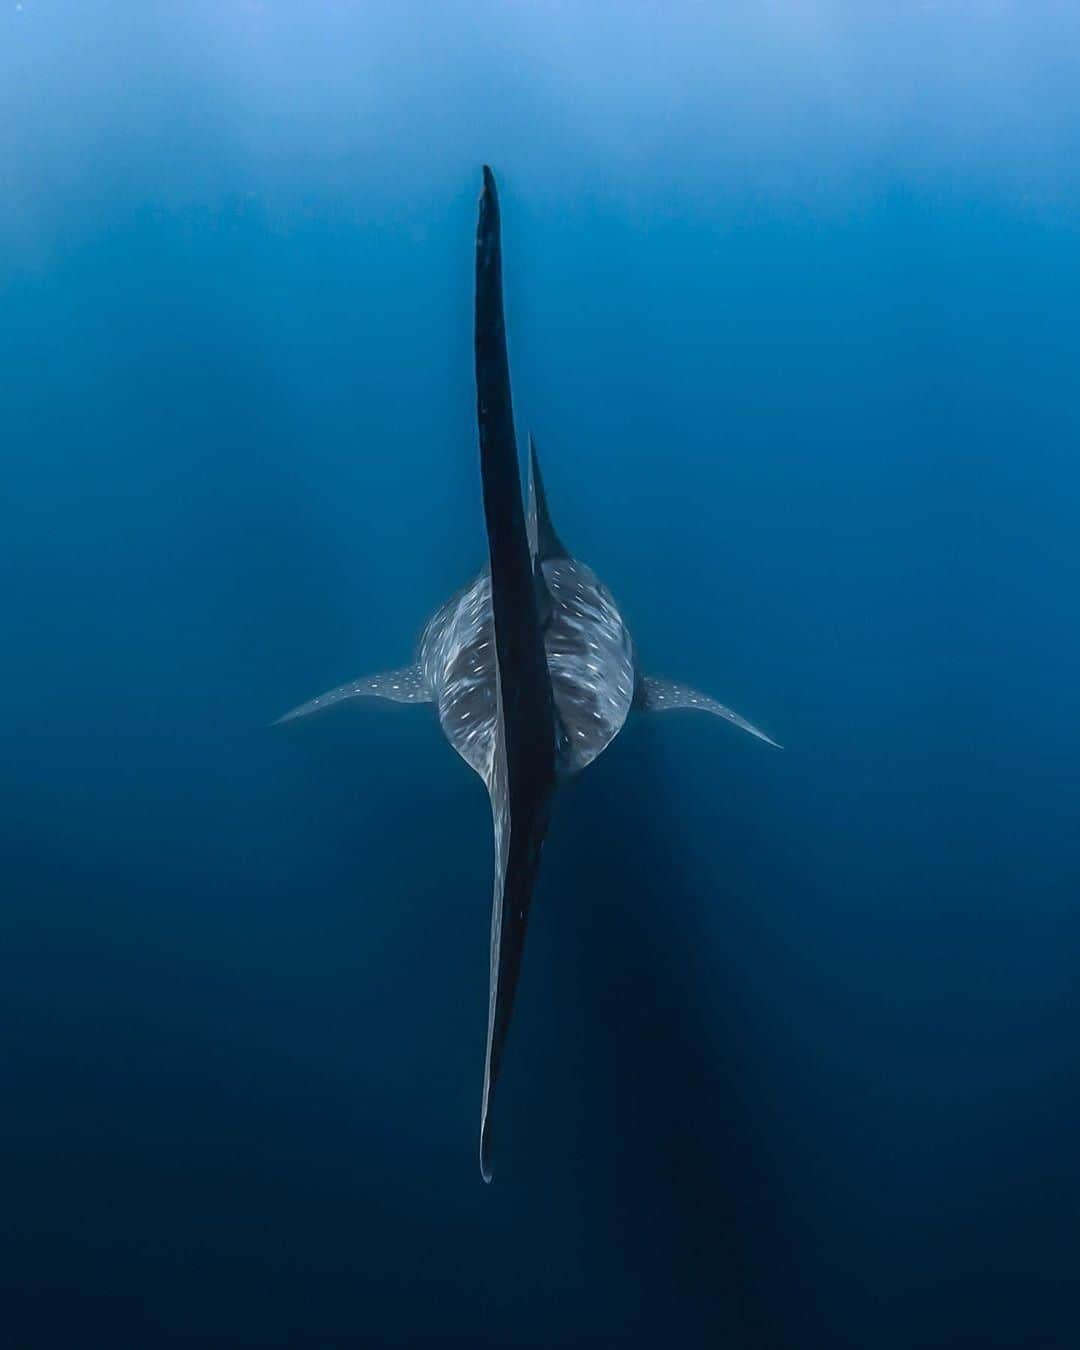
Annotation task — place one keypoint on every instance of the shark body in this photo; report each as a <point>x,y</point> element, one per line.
<point>531,666</point>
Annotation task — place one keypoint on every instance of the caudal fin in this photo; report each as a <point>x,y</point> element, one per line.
<point>523,773</point>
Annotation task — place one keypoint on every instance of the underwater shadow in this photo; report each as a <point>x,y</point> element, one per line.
<point>651,1018</point>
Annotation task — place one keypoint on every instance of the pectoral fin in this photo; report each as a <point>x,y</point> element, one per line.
<point>653,695</point>
<point>406,685</point>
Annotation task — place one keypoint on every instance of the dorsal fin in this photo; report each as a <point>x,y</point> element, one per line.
<point>543,540</point>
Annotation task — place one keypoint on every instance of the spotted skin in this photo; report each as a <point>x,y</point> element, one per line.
<point>653,695</point>
<point>590,659</point>
<point>406,685</point>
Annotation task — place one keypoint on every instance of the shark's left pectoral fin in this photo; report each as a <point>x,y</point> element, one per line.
<point>406,685</point>
<point>653,695</point>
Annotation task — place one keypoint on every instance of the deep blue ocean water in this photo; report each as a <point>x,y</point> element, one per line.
<point>793,298</point>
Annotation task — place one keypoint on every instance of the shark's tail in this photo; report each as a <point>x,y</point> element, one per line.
<point>523,775</point>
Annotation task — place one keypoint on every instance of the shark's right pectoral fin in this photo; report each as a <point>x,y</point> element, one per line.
<point>653,695</point>
<point>406,685</point>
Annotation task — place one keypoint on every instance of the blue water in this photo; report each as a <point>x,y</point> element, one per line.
<point>792,296</point>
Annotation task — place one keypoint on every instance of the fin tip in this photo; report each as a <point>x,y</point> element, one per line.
<point>485,1152</point>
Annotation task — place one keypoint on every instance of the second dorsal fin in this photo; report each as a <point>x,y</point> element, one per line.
<point>543,539</point>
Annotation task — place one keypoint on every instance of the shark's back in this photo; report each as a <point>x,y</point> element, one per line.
<point>457,655</point>
<point>590,656</point>
<point>590,659</point>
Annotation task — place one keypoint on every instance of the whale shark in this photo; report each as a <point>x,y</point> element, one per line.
<point>531,667</point>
